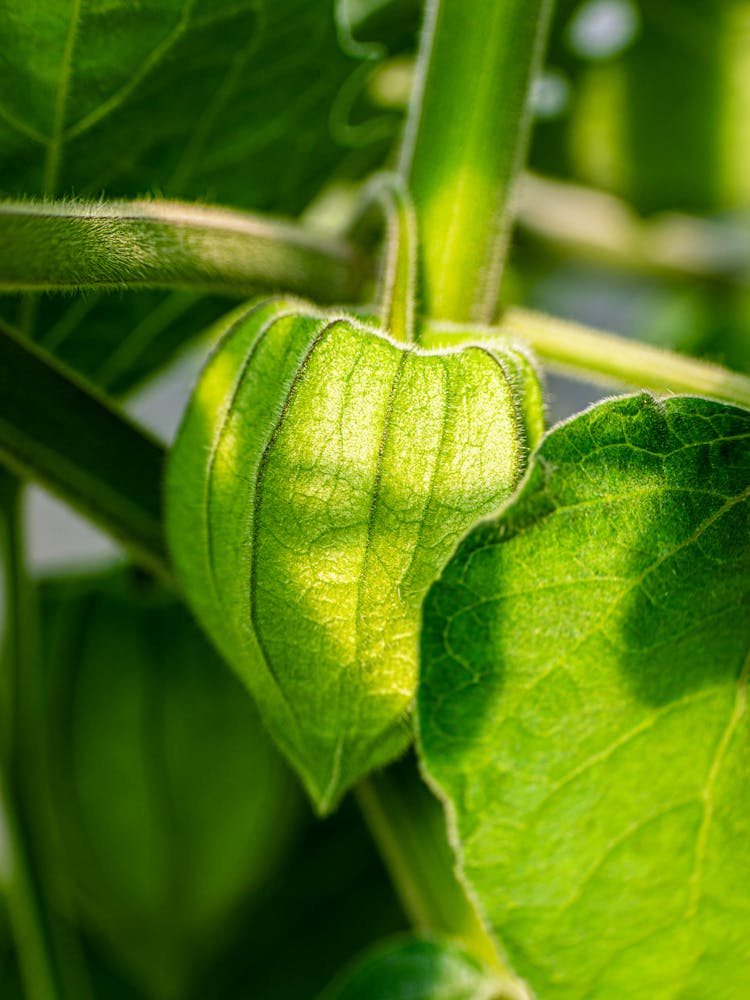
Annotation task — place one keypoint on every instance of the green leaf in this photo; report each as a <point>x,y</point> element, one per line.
<point>119,340</point>
<point>59,432</point>
<point>173,804</point>
<point>232,102</point>
<point>415,969</point>
<point>321,477</point>
<point>584,706</point>
<point>182,96</point>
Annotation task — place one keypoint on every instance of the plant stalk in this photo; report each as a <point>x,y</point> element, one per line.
<point>464,143</point>
<point>574,349</point>
<point>397,280</point>
<point>26,911</point>
<point>408,826</point>
<point>68,245</point>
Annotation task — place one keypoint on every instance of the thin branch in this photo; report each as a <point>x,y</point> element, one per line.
<point>574,349</point>
<point>599,226</point>
<point>69,245</point>
<point>408,826</point>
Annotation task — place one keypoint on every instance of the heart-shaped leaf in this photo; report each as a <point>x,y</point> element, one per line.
<point>584,706</point>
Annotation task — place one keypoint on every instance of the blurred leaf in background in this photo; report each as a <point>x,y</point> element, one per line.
<point>671,104</point>
<point>331,900</point>
<point>255,105</point>
<point>652,107</point>
<point>172,805</point>
<point>656,101</point>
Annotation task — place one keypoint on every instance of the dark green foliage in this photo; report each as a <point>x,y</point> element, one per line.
<point>228,102</point>
<point>362,506</point>
<point>172,805</point>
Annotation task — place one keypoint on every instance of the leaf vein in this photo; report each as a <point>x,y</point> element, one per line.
<point>722,747</point>
<point>115,100</point>
<point>23,128</point>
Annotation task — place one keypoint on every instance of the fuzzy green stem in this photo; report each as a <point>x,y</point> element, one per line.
<point>465,140</point>
<point>408,826</point>
<point>396,292</point>
<point>35,952</point>
<point>54,246</point>
<point>574,349</point>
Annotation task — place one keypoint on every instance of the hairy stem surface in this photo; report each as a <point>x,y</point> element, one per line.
<point>465,141</point>
<point>574,349</point>
<point>408,826</point>
<point>162,244</point>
